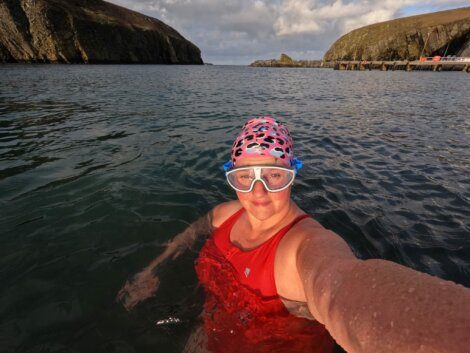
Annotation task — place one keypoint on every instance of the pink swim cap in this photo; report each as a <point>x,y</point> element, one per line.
<point>264,136</point>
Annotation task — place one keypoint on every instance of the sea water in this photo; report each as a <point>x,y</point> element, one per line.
<point>101,165</point>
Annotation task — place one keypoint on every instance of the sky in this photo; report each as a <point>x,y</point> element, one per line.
<point>238,32</point>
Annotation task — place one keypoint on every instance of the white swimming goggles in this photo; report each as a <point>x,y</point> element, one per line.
<point>274,178</point>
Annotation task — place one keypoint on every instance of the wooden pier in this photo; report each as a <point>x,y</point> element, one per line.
<point>424,64</point>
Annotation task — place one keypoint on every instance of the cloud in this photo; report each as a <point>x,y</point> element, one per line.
<point>240,31</point>
<point>311,16</point>
<point>230,15</point>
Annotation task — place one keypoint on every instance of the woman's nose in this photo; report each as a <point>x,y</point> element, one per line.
<point>259,189</point>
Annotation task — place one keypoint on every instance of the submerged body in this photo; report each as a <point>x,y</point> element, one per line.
<point>310,281</point>
<point>242,303</point>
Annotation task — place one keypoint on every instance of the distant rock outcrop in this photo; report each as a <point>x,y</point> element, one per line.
<point>440,33</point>
<point>286,61</point>
<point>87,31</point>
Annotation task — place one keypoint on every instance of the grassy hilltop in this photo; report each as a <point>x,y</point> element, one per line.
<point>439,33</point>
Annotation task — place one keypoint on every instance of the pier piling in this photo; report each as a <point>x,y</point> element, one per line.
<point>435,64</point>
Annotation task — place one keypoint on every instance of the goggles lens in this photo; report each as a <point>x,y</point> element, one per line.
<point>273,178</point>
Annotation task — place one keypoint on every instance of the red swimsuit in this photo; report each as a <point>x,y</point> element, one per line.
<point>242,311</point>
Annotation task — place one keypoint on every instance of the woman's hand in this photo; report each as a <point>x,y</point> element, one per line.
<point>143,285</point>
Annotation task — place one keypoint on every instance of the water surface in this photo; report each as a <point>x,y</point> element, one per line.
<point>101,165</point>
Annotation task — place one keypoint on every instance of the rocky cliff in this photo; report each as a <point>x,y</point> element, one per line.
<point>87,31</point>
<point>439,33</point>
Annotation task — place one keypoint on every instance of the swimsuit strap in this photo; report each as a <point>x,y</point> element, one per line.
<point>280,234</point>
<point>299,218</point>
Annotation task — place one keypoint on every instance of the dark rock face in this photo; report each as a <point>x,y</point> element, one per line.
<point>440,33</point>
<point>87,31</point>
<point>286,61</point>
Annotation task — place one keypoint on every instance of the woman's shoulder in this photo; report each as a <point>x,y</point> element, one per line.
<point>320,240</point>
<point>306,228</point>
<point>223,211</point>
<point>304,224</point>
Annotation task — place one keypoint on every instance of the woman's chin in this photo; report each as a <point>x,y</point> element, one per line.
<point>261,212</point>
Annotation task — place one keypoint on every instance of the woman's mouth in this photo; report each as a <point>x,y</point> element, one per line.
<point>261,203</point>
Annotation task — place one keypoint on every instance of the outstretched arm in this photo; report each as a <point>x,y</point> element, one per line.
<point>144,284</point>
<point>379,306</point>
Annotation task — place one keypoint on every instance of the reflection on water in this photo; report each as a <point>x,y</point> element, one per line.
<point>101,165</point>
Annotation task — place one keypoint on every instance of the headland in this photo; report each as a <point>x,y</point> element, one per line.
<point>87,31</point>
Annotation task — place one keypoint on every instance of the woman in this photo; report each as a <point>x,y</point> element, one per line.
<point>275,278</point>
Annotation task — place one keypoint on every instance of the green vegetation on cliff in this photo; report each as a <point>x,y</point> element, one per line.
<point>87,31</point>
<point>439,33</point>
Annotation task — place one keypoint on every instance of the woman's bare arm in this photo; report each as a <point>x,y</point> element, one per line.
<point>144,284</point>
<point>379,306</point>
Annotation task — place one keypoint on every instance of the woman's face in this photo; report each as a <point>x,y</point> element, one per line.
<point>259,202</point>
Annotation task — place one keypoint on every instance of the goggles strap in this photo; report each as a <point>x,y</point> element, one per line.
<point>227,166</point>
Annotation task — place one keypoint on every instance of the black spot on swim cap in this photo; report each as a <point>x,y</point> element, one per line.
<point>269,139</point>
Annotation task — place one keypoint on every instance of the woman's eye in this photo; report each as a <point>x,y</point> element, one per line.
<point>244,176</point>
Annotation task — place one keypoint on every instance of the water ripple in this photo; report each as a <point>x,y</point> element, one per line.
<point>101,165</point>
